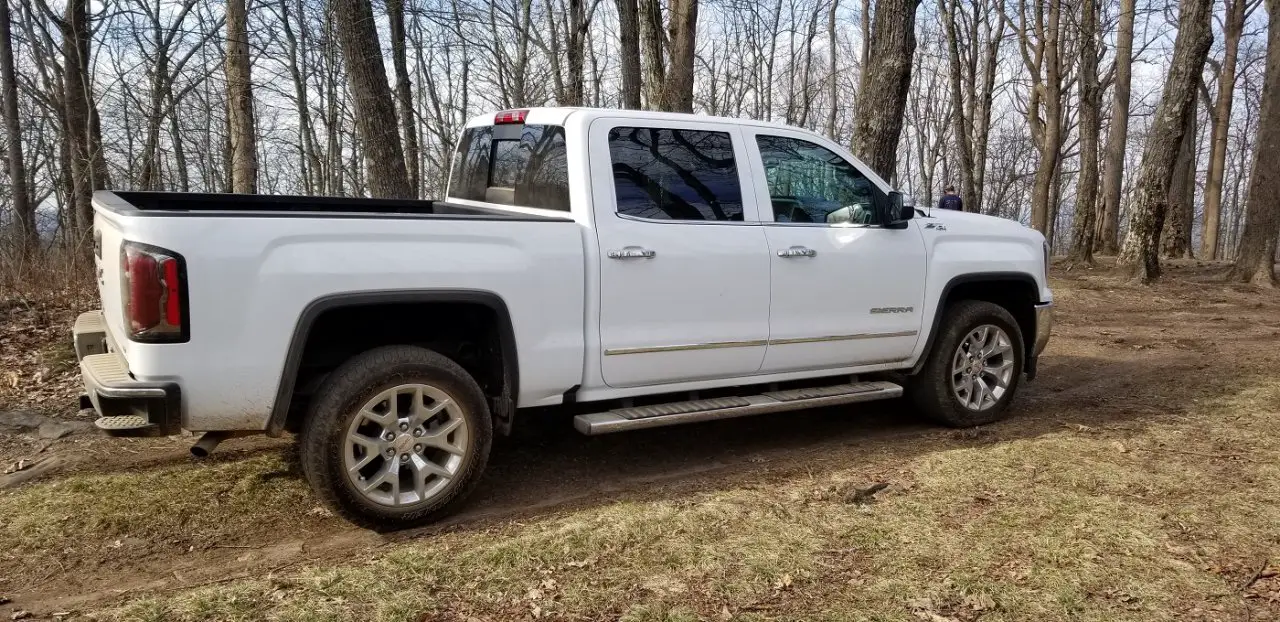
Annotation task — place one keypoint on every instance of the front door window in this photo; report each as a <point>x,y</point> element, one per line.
<point>808,183</point>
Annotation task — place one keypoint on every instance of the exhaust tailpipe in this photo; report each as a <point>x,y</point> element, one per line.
<point>208,443</point>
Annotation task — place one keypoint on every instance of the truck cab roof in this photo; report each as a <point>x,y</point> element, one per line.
<point>560,115</point>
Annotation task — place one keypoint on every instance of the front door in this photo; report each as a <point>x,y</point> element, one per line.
<point>844,290</point>
<point>684,266</point>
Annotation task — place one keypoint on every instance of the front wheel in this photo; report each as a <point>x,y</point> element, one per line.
<point>974,368</point>
<point>396,438</point>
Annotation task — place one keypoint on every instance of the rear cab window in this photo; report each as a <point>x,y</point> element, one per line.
<point>512,164</point>
<point>675,174</point>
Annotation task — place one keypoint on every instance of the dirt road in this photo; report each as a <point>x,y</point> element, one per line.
<point>117,520</point>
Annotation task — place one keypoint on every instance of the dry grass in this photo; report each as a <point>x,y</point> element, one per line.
<point>86,520</point>
<point>39,301</point>
<point>1140,482</point>
<point>1159,523</point>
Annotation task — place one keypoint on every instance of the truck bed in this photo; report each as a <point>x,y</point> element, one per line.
<point>242,205</point>
<point>254,265</point>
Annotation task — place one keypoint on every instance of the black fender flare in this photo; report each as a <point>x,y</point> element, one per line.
<point>964,279</point>
<point>317,307</point>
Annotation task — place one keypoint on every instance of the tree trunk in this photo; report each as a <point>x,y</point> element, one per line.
<point>1164,141</point>
<point>573,29</point>
<point>833,95</point>
<point>1221,117</point>
<point>882,91</point>
<point>677,93</point>
<point>244,148</point>
<point>961,124</point>
<point>1083,227</point>
<point>80,118</point>
<point>629,39</point>
<point>1049,93</point>
<point>655,46</point>
<point>374,113</point>
<point>24,210</point>
<point>404,92</point>
<point>1256,261</point>
<point>1117,133</point>
<point>1175,242</point>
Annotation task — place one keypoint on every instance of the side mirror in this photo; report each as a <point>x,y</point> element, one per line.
<point>899,210</point>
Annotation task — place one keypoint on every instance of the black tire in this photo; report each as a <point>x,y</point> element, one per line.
<point>930,390</point>
<point>356,382</point>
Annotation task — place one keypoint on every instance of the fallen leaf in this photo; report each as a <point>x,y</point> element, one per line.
<point>533,594</point>
<point>725,614</point>
<point>590,561</point>
<point>1119,447</point>
<point>548,584</point>
<point>866,495</point>
<point>979,602</point>
<point>536,611</point>
<point>783,582</point>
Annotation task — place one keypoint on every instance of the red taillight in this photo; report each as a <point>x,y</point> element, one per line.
<point>151,281</point>
<point>509,116</point>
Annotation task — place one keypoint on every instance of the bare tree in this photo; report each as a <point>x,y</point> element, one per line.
<point>1164,140</point>
<point>244,146</point>
<point>1256,262</point>
<point>1082,228</point>
<point>629,41</point>
<point>22,205</point>
<point>1117,133</point>
<point>404,92</point>
<point>677,91</point>
<point>1039,41</point>
<point>1175,240</point>
<point>1219,117</point>
<point>375,115</point>
<point>974,37</point>
<point>882,92</point>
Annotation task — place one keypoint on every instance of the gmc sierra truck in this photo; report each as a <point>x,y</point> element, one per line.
<point>635,269</point>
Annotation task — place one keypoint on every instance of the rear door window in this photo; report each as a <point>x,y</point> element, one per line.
<point>521,165</point>
<point>675,174</point>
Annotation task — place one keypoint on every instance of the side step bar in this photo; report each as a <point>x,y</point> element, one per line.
<point>676,413</point>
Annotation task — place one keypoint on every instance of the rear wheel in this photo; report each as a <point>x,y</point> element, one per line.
<point>396,438</point>
<point>974,368</point>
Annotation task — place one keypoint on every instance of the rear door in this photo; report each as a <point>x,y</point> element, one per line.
<point>845,291</point>
<point>684,275</point>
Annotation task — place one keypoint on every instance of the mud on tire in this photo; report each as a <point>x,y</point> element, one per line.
<point>397,437</point>
<point>939,390</point>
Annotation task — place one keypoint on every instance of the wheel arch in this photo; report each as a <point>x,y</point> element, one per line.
<point>502,400</point>
<point>1017,292</point>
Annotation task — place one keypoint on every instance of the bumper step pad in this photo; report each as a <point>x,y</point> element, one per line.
<point>676,413</point>
<point>127,423</point>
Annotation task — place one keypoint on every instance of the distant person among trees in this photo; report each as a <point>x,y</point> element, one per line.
<point>950,200</point>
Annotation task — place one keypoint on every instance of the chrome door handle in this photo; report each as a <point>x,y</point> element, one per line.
<point>797,251</point>
<point>631,252</point>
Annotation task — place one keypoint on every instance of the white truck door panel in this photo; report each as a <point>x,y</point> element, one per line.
<point>684,274</point>
<point>843,291</point>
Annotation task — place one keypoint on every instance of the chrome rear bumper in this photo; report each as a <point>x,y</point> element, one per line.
<point>126,406</point>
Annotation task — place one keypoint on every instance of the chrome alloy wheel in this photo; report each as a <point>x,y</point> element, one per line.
<point>982,367</point>
<point>406,445</point>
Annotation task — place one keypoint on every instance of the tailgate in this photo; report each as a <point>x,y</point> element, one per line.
<point>107,239</point>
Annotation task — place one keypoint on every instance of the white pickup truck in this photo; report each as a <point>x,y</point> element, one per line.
<point>635,269</point>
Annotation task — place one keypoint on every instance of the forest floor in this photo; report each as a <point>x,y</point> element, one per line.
<point>1139,480</point>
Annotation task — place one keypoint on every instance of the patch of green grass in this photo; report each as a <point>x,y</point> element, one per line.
<point>1069,525</point>
<point>91,516</point>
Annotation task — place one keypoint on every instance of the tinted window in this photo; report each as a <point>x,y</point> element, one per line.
<point>810,183</point>
<point>512,165</point>
<point>675,174</point>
